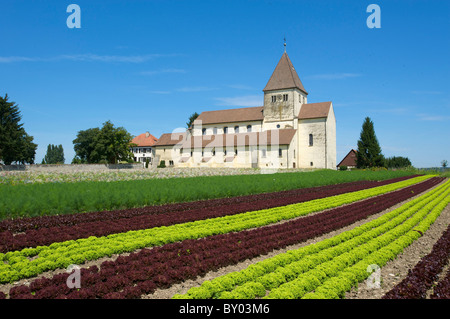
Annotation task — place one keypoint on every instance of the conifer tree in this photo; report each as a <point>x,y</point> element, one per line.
<point>15,144</point>
<point>55,155</point>
<point>369,150</point>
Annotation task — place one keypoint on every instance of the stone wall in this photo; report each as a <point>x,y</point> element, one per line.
<point>69,168</point>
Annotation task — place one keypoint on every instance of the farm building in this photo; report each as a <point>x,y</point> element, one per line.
<point>349,160</point>
<point>286,132</point>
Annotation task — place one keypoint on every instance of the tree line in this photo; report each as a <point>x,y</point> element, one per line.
<point>108,144</point>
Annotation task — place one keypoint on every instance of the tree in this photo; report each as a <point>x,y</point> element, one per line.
<point>55,155</point>
<point>444,163</point>
<point>84,145</point>
<point>106,145</point>
<point>192,119</point>
<point>397,162</point>
<point>369,150</point>
<point>15,144</point>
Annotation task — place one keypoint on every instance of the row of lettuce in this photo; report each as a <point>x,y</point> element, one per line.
<point>30,262</point>
<point>330,268</point>
<point>130,276</point>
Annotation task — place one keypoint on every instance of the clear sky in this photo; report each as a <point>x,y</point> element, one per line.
<point>148,65</point>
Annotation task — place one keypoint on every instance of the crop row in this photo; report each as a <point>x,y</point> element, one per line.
<point>332,266</point>
<point>422,277</point>
<point>45,230</point>
<point>18,264</point>
<point>442,289</point>
<point>143,271</point>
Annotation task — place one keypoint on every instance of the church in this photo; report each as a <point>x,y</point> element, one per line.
<point>286,132</point>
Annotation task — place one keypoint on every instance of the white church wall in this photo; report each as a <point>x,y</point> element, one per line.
<point>314,154</point>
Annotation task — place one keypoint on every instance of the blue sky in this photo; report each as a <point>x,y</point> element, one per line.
<point>148,65</point>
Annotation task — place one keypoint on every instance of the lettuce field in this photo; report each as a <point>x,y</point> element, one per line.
<point>308,235</point>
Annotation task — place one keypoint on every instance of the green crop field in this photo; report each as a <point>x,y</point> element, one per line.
<point>26,200</point>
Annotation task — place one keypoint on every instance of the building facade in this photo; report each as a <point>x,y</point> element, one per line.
<point>286,132</point>
<point>143,149</point>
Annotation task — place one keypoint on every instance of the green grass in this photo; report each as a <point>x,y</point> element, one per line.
<point>28,200</point>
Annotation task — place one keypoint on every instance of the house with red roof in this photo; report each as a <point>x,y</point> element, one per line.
<point>143,147</point>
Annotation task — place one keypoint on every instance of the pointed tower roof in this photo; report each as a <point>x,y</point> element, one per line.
<point>284,76</point>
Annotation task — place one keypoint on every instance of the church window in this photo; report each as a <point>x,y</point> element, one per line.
<point>280,152</point>
<point>225,130</point>
<point>214,152</point>
<point>203,153</point>
<point>312,164</point>
<point>191,153</point>
<point>274,98</point>
<point>215,130</point>
<point>249,128</point>
<point>225,152</point>
<point>204,131</point>
<point>278,126</point>
<point>235,151</point>
<point>311,141</point>
<point>285,97</point>
<point>236,129</point>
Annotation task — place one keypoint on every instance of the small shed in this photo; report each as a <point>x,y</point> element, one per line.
<point>349,160</point>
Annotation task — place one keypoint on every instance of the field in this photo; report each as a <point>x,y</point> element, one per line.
<point>291,235</point>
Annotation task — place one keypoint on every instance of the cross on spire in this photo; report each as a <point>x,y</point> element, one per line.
<point>284,44</point>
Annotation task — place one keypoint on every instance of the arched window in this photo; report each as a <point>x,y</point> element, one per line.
<point>249,128</point>
<point>225,130</point>
<point>236,129</point>
<point>204,131</point>
<point>311,142</point>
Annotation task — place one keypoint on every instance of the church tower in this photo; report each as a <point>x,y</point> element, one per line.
<point>284,94</point>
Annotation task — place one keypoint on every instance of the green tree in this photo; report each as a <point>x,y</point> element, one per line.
<point>55,155</point>
<point>444,163</point>
<point>397,162</point>
<point>106,145</point>
<point>369,150</point>
<point>192,119</point>
<point>15,144</point>
<point>84,146</point>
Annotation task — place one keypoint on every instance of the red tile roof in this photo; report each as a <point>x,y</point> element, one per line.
<point>314,110</point>
<point>231,115</point>
<point>284,76</point>
<point>144,139</point>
